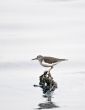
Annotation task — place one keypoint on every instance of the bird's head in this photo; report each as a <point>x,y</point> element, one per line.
<point>39,57</point>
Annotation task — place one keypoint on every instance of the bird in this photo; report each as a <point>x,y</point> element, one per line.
<point>47,61</point>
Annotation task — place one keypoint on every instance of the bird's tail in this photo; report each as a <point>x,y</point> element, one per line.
<point>63,59</point>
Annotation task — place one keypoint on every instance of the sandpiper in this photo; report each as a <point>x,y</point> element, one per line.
<point>47,61</point>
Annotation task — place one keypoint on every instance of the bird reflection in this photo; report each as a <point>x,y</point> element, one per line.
<point>47,105</point>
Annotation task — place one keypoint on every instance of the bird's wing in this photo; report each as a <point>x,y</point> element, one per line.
<point>50,60</point>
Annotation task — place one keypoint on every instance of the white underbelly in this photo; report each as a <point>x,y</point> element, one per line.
<point>47,64</point>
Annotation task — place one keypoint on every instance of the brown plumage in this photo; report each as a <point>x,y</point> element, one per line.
<point>47,61</point>
<point>52,60</point>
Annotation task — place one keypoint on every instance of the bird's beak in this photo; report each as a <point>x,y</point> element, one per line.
<point>34,59</point>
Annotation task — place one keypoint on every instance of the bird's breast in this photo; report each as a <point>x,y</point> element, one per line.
<point>45,64</point>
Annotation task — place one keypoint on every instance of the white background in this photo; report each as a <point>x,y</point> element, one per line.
<point>47,27</point>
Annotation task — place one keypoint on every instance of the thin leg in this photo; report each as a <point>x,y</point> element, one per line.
<point>50,69</point>
<point>49,74</point>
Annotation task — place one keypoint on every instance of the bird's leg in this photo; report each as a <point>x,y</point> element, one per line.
<point>49,71</point>
<point>51,68</point>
